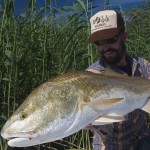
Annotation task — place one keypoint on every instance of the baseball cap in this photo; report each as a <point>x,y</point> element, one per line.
<point>105,25</point>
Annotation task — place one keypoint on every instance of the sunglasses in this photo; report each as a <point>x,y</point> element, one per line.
<point>108,41</point>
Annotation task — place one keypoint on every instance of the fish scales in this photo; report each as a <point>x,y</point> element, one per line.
<point>65,104</point>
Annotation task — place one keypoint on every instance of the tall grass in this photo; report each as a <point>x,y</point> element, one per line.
<point>39,44</point>
<point>138,26</point>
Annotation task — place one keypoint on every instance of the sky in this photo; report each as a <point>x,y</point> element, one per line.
<point>125,4</point>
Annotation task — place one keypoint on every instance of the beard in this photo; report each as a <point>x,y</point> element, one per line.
<point>113,56</point>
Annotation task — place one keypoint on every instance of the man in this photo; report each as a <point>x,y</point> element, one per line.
<point>109,35</point>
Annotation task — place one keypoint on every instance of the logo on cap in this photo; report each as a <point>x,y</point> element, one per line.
<point>100,19</point>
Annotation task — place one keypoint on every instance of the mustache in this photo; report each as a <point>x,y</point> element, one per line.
<point>108,50</point>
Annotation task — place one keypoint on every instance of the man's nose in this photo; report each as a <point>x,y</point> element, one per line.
<point>105,46</point>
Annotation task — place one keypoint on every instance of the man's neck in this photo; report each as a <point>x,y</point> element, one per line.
<point>122,62</point>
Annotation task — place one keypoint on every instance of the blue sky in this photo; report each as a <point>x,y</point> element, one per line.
<point>125,4</point>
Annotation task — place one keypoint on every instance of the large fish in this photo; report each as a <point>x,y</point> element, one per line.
<point>65,104</point>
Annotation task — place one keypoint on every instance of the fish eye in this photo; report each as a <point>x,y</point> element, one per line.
<point>23,116</point>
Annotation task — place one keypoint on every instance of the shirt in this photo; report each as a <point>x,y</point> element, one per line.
<point>122,136</point>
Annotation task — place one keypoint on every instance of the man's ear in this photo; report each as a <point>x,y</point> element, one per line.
<point>125,36</point>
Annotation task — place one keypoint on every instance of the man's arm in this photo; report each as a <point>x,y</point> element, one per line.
<point>144,67</point>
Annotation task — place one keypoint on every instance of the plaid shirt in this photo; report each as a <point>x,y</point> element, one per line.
<point>122,136</point>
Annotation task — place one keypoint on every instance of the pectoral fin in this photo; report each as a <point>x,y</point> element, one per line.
<point>108,119</point>
<point>147,106</point>
<point>102,104</point>
<point>99,123</point>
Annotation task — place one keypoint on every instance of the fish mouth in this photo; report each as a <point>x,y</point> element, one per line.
<point>16,141</point>
<point>28,137</point>
<point>20,140</point>
<point>12,138</point>
<point>23,141</point>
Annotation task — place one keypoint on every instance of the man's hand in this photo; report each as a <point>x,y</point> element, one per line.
<point>88,126</point>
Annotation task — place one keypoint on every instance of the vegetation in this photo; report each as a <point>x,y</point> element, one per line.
<point>39,44</point>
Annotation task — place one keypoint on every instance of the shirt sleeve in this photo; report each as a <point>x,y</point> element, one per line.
<point>145,68</point>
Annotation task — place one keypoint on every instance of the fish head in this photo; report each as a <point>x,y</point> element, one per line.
<point>17,128</point>
<point>43,117</point>
<point>27,121</point>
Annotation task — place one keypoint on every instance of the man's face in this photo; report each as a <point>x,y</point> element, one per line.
<point>112,51</point>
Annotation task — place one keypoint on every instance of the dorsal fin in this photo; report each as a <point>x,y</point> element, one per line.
<point>109,72</point>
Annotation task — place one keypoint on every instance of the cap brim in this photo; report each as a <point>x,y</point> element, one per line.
<point>103,34</point>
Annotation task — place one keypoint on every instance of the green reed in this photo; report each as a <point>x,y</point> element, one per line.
<point>36,45</point>
<point>138,27</point>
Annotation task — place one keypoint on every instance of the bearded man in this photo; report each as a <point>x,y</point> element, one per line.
<point>109,35</point>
